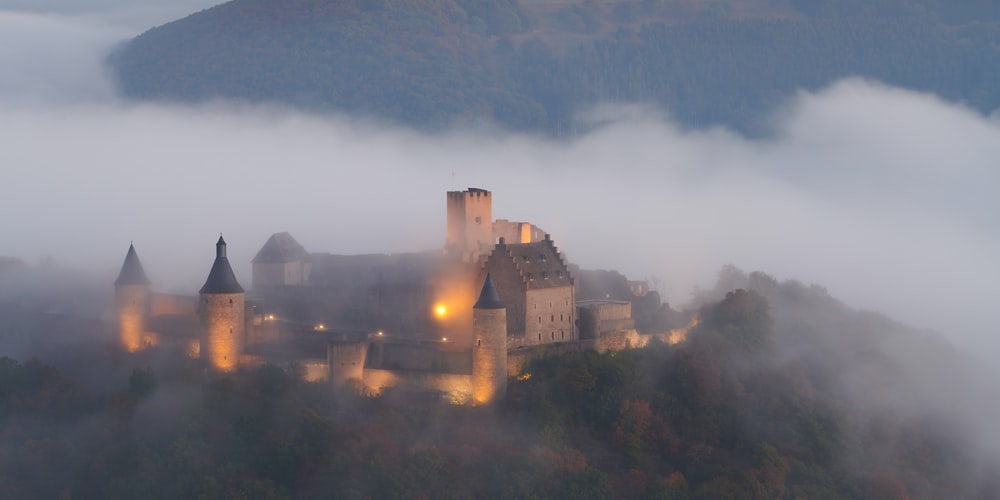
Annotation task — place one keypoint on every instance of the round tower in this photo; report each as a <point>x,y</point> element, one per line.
<point>489,346</point>
<point>223,313</point>
<point>346,359</point>
<point>132,303</point>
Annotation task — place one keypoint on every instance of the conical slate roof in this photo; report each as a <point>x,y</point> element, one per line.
<point>488,298</point>
<point>132,273</point>
<point>281,248</point>
<point>221,278</point>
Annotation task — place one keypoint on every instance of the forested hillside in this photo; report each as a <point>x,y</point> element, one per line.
<point>533,65</point>
<point>781,392</point>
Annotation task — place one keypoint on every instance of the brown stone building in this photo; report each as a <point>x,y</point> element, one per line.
<point>534,282</point>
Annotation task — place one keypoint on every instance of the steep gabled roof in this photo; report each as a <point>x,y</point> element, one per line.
<point>221,278</point>
<point>539,264</point>
<point>132,273</point>
<point>488,298</point>
<point>281,248</point>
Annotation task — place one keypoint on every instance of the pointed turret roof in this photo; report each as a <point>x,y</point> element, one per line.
<point>132,273</point>
<point>488,298</point>
<point>221,278</point>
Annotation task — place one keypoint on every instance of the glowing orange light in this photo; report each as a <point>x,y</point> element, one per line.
<point>441,310</point>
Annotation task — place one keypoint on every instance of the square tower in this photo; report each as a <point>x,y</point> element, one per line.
<point>470,224</point>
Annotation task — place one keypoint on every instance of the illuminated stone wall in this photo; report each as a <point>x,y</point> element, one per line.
<point>519,357</point>
<point>517,232</point>
<point>454,288</point>
<point>132,303</point>
<point>447,357</point>
<point>223,317</point>
<point>619,340</point>
<point>489,355</point>
<point>457,388</point>
<point>346,360</point>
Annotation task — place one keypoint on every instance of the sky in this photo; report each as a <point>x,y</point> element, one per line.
<point>887,197</point>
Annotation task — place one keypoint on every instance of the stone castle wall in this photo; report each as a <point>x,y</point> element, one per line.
<point>162,304</point>
<point>550,315</point>
<point>293,273</point>
<point>456,388</point>
<point>419,357</point>
<point>518,358</point>
<point>600,317</point>
<point>509,285</point>
<point>517,232</point>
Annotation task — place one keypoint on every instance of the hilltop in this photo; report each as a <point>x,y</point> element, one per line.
<point>532,66</point>
<point>780,392</point>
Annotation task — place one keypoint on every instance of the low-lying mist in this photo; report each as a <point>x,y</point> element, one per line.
<point>886,197</point>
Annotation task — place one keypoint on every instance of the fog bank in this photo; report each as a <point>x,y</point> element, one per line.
<point>887,197</point>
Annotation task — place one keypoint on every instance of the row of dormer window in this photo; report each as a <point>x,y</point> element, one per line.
<point>545,275</point>
<point>541,257</point>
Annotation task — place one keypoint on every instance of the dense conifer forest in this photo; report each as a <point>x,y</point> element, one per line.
<point>781,392</point>
<point>534,65</point>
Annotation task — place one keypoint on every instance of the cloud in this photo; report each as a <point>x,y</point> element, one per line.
<point>885,196</point>
<point>136,15</point>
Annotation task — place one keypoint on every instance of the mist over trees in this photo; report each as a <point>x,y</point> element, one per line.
<point>533,66</point>
<point>780,392</point>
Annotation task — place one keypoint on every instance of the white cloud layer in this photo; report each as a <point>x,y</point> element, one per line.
<point>887,197</point>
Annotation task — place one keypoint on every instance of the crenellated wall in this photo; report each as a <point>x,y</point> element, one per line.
<point>470,224</point>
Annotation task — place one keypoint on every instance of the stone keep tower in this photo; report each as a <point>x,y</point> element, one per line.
<point>470,224</point>
<point>489,346</point>
<point>132,303</point>
<point>223,314</point>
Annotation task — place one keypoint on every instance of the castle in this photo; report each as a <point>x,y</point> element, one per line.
<point>455,322</point>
